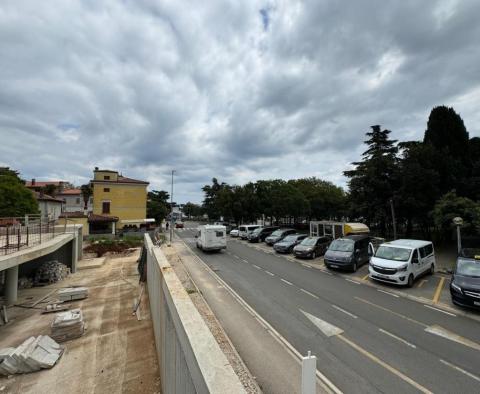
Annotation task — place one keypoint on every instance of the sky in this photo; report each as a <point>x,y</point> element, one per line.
<point>237,90</point>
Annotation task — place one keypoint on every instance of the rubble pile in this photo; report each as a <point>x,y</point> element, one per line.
<point>51,272</point>
<point>25,283</point>
<point>68,325</point>
<point>32,355</point>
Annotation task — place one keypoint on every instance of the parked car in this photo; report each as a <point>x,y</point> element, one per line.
<point>234,233</point>
<point>179,224</point>
<point>465,283</point>
<point>246,229</point>
<point>259,234</point>
<point>210,238</point>
<point>402,261</point>
<point>287,244</point>
<point>349,252</point>
<point>312,247</point>
<point>278,235</point>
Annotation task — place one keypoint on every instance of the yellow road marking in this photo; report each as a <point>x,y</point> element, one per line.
<point>388,367</point>
<point>392,312</point>
<point>438,291</point>
<point>365,277</point>
<point>422,282</point>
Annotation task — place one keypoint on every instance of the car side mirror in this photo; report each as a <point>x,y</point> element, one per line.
<point>196,236</point>
<point>357,251</point>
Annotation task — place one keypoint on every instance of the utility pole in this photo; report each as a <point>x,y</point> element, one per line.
<point>171,211</point>
<point>393,219</point>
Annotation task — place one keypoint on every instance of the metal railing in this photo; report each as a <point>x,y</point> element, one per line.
<point>17,233</point>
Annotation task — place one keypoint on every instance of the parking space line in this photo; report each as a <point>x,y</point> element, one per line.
<point>286,281</point>
<point>365,277</point>
<point>325,272</point>
<point>471,375</point>
<point>270,273</point>
<point>236,256</point>
<point>245,261</point>
<point>440,310</point>
<point>310,294</point>
<point>353,281</point>
<point>438,291</point>
<point>344,311</point>
<point>397,338</point>
<point>421,283</point>
<point>386,292</point>
<point>256,266</point>
<point>306,265</point>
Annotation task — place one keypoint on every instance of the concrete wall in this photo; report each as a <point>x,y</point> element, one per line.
<point>77,221</point>
<point>190,359</point>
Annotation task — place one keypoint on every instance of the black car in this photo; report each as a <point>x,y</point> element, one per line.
<point>465,283</point>
<point>259,234</point>
<point>312,247</point>
<point>349,252</point>
<point>278,235</point>
<point>287,244</point>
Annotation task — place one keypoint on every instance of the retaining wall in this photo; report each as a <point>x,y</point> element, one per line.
<point>189,357</point>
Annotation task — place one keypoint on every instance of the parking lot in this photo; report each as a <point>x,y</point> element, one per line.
<point>427,289</point>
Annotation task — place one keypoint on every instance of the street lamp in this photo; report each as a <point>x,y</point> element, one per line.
<point>171,212</point>
<point>458,221</point>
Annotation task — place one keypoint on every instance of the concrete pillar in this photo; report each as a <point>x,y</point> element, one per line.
<point>74,252</point>
<point>11,285</point>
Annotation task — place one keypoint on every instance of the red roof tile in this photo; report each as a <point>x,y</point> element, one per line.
<point>101,218</point>
<point>45,197</point>
<point>76,214</point>
<point>70,192</point>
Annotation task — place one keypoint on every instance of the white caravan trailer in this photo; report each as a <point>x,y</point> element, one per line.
<point>211,237</point>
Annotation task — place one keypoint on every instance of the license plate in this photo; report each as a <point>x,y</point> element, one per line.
<point>382,276</point>
<point>477,303</point>
<point>334,266</point>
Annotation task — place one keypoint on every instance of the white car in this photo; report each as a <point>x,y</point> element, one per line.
<point>234,233</point>
<point>402,261</point>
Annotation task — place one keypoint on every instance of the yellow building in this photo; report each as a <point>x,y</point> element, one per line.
<point>118,201</point>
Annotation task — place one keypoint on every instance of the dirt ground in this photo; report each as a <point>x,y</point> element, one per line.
<point>117,352</point>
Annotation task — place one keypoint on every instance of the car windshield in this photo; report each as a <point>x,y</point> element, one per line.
<point>277,233</point>
<point>391,253</point>
<point>309,241</point>
<point>468,268</point>
<point>256,231</point>
<point>342,245</point>
<point>290,238</point>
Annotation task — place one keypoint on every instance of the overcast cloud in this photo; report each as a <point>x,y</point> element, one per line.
<point>239,90</point>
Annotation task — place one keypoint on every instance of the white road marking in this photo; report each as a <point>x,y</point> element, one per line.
<point>444,333</point>
<point>286,281</point>
<point>245,261</point>
<point>344,311</point>
<point>310,294</point>
<point>353,281</point>
<point>326,272</point>
<point>306,265</point>
<point>326,328</point>
<point>440,310</point>
<point>387,292</point>
<point>471,375</point>
<point>397,338</point>
<point>269,273</point>
<point>236,256</point>
<point>256,266</point>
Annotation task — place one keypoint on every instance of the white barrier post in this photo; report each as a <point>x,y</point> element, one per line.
<point>309,370</point>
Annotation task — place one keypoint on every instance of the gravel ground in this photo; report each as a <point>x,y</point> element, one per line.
<point>216,329</point>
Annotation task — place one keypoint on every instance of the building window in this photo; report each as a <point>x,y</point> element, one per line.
<point>106,177</point>
<point>77,201</point>
<point>106,189</point>
<point>106,207</point>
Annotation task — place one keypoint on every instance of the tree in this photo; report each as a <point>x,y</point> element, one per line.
<point>192,210</point>
<point>372,182</point>
<point>447,134</point>
<point>50,190</point>
<point>157,205</point>
<point>15,198</point>
<point>87,192</point>
<point>451,206</point>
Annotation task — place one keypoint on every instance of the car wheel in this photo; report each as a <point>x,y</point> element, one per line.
<point>410,281</point>
<point>313,255</point>
<point>432,269</point>
<point>354,267</point>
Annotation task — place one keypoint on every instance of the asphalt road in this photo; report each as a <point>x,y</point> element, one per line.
<point>366,340</point>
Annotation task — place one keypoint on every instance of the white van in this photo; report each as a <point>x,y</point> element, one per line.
<point>211,237</point>
<point>246,229</point>
<point>402,261</point>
